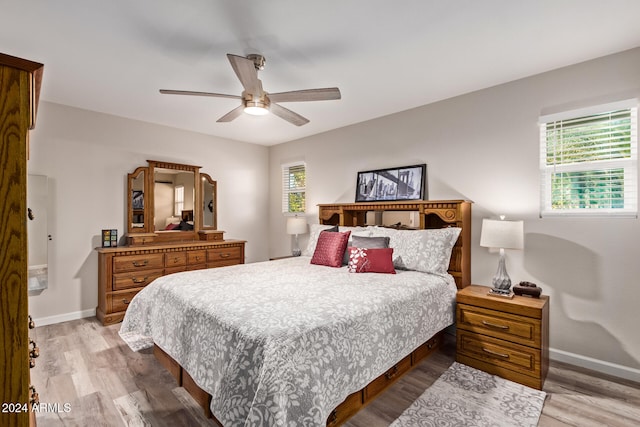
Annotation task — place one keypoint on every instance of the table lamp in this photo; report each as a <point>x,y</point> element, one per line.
<point>503,235</point>
<point>296,225</point>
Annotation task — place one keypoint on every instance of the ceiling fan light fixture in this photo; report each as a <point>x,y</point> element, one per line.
<point>256,108</point>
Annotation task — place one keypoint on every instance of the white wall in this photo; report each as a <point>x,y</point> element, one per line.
<point>484,147</point>
<point>87,156</point>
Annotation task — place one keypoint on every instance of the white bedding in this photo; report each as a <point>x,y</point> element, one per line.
<point>284,342</point>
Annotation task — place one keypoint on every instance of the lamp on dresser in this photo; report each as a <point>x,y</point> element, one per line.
<point>296,225</point>
<point>502,235</point>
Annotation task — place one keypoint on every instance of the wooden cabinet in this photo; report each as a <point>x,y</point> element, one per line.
<point>19,90</point>
<point>124,271</point>
<point>505,337</point>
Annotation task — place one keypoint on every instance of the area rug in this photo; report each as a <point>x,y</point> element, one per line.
<point>465,396</point>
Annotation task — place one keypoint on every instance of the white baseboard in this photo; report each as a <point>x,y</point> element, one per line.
<point>43,321</point>
<point>595,364</point>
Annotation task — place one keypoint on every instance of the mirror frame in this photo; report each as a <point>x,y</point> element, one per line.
<point>149,203</point>
<point>145,210</point>
<point>205,178</point>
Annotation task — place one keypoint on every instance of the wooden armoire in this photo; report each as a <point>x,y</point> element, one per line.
<point>19,92</point>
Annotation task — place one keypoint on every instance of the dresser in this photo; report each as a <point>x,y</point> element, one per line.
<point>503,336</point>
<point>124,271</point>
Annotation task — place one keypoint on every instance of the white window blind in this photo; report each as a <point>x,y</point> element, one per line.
<point>294,181</point>
<point>178,191</point>
<point>588,163</point>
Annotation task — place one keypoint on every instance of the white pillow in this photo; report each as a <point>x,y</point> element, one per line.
<point>428,251</point>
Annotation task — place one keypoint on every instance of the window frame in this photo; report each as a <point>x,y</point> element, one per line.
<point>629,165</point>
<point>287,189</point>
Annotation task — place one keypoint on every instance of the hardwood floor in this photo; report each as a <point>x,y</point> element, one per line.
<point>104,383</point>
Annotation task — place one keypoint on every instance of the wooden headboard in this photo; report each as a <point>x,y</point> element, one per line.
<point>432,213</point>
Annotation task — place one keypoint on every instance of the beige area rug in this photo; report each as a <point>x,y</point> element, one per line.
<point>464,396</point>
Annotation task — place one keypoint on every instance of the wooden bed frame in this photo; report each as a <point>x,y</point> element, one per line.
<point>433,214</point>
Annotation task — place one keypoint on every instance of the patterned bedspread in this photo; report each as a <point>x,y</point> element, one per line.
<point>284,342</point>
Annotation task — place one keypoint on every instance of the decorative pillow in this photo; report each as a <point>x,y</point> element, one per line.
<point>314,232</point>
<point>172,226</point>
<point>355,231</point>
<point>373,260</point>
<point>330,248</point>
<point>370,242</point>
<point>428,251</point>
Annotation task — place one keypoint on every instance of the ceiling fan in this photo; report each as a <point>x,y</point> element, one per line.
<point>255,100</point>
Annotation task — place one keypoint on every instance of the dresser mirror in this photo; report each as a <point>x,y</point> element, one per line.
<point>170,202</point>
<point>209,204</point>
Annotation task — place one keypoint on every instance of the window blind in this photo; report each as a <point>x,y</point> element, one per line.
<point>294,182</point>
<point>588,164</point>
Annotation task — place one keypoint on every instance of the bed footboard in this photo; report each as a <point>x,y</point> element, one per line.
<point>351,405</point>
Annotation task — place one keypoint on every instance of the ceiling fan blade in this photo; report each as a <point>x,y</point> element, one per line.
<point>288,115</point>
<point>323,94</point>
<point>233,114</point>
<point>188,92</point>
<point>246,71</point>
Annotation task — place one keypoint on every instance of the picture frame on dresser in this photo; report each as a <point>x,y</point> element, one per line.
<point>392,184</point>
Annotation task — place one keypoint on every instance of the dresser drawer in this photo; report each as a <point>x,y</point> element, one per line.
<point>384,380</point>
<point>520,329</point>
<point>500,353</point>
<point>197,257</point>
<point>137,262</point>
<point>175,259</point>
<point>119,301</point>
<point>224,256</point>
<point>134,279</point>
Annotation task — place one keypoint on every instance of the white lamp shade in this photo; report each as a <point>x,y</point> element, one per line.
<point>502,234</point>
<point>296,225</point>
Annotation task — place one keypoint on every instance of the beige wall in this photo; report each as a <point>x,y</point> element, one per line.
<point>484,147</point>
<point>87,156</point>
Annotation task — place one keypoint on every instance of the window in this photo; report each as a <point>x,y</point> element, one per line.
<point>294,181</point>
<point>178,198</point>
<point>588,161</point>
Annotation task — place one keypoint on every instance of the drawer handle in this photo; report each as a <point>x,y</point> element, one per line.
<point>227,255</point>
<point>140,264</point>
<point>495,353</point>
<point>493,325</point>
<point>34,398</point>
<point>144,279</point>
<point>34,350</point>
<point>197,257</point>
<point>176,260</point>
<point>391,372</point>
<point>32,324</point>
<point>125,301</point>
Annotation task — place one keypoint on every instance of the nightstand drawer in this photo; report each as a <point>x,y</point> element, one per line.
<point>520,329</point>
<point>514,357</point>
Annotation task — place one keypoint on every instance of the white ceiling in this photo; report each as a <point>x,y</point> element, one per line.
<point>385,56</point>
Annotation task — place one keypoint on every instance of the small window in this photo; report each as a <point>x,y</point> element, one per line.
<point>294,182</point>
<point>588,162</point>
<point>178,200</point>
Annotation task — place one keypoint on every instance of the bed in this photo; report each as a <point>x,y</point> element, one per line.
<point>289,342</point>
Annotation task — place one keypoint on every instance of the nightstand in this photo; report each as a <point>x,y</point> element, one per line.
<point>502,336</point>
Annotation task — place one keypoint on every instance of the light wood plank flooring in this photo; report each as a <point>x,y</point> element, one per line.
<point>89,367</point>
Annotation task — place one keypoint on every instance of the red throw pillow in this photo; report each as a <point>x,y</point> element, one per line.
<point>330,248</point>
<point>372,260</point>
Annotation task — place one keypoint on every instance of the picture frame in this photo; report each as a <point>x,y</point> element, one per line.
<point>392,184</point>
<point>109,238</point>
<point>137,200</point>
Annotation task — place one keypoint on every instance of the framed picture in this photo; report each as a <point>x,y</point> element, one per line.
<point>137,200</point>
<point>109,238</point>
<point>402,183</point>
